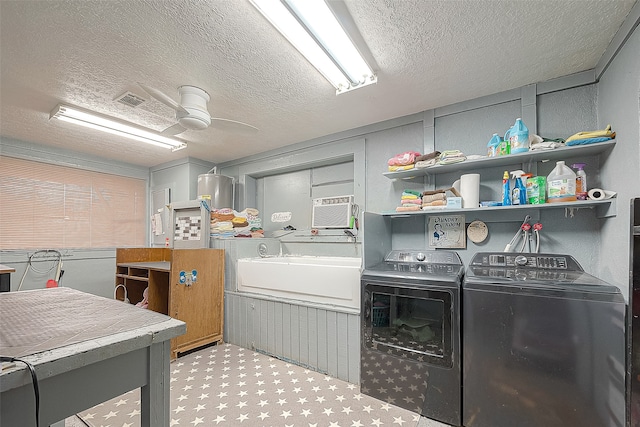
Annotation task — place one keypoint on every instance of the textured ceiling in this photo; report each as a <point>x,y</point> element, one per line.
<point>427,53</point>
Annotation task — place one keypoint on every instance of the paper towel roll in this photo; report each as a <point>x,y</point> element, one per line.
<point>596,194</point>
<point>600,194</point>
<point>470,190</point>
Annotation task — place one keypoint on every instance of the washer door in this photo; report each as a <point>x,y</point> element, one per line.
<point>409,323</point>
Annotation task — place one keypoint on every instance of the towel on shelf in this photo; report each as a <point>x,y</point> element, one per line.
<point>411,201</point>
<point>239,222</point>
<point>606,133</point>
<point>586,141</point>
<point>400,168</point>
<point>433,197</point>
<point>403,159</point>
<point>451,156</point>
<point>435,203</point>
<point>426,163</point>
<point>407,208</point>
<point>427,157</point>
<point>225,214</point>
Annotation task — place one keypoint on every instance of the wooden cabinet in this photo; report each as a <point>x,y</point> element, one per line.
<point>186,284</point>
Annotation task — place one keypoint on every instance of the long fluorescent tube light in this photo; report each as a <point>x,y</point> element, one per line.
<point>113,126</point>
<point>312,28</point>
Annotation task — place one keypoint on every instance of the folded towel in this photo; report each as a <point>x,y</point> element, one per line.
<point>411,202</point>
<point>426,157</point>
<point>222,214</point>
<point>604,133</point>
<point>435,203</point>
<point>586,141</point>
<point>426,163</point>
<point>414,192</point>
<point>400,168</point>
<point>239,222</point>
<point>407,208</point>
<point>402,159</point>
<point>546,145</point>
<point>451,156</point>
<point>432,197</point>
<point>408,196</point>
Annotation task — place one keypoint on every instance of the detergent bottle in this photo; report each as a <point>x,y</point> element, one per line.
<point>518,137</point>
<point>493,145</point>
<point>506,191</point>
<point>519,192</point>
<point>581,181</point>
<point>561,184</point>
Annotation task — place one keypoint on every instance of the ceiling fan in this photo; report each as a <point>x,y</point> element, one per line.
<point>192,113</point>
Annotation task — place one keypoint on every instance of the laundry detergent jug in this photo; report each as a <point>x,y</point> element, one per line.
<point>518,137</point>
<point>493,146</point>
<point>561,184</point>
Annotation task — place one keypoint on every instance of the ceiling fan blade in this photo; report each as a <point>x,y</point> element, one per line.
<point>173,130</point>
<point>232,125</point>
<point>165,99</point>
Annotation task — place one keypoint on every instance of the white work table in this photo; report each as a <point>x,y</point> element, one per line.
<point>85,349</point>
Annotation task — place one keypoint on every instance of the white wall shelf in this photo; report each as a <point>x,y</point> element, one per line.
<point>529,156</point>
<point>603,209</point>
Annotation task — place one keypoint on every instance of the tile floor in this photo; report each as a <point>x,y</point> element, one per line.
<point>227,385</point>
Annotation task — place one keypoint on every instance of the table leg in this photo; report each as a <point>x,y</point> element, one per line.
<point>154,399</point>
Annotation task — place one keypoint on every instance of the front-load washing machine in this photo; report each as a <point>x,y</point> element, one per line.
<point>543,344</point>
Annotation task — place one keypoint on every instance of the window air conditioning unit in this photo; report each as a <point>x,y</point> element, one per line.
<point>332,212</point>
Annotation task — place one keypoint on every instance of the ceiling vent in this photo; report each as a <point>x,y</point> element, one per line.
<point>130,99</point>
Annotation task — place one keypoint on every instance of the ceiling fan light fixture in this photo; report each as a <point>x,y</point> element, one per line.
<point>113,126</point>
<point>312,28</point>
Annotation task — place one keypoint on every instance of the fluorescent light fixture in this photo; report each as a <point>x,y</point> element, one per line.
<point>113,126</point>
<point>312,28</point>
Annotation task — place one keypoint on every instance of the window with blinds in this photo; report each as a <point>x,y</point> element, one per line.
<point>50,206</point>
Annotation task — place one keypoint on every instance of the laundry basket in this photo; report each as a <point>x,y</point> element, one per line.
<point>380,316</point>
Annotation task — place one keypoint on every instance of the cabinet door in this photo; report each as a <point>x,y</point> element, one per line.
<point>196,296</point>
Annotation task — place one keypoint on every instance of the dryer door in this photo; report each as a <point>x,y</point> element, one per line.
<point>409,323</point>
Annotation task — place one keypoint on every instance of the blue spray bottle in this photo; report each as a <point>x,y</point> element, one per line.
<point>519,192</point>
<point>506,190</point>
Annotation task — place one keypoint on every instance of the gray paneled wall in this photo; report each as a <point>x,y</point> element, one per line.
<point>316,337</point>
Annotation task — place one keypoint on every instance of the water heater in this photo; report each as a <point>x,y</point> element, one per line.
<point>216,189</point>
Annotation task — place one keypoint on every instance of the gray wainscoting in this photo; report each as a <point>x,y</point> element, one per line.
<point>312,336</point>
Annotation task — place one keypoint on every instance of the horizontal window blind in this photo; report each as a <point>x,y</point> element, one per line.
<point>49,206</point>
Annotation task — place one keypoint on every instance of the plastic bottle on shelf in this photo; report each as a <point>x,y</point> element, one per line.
<point>493,145</point>
<point>519,192</point>
<point>581,181</point>
<point>506,190</point>
<point>561,184</point>
<point>518,137</point>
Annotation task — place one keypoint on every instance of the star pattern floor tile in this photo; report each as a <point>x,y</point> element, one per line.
<point>227,385</point>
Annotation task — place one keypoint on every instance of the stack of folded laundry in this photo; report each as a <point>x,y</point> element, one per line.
<point>451,156</point>
<point>222,230</point>
<point>227,223</point>
<point>436,199</point>
<point>402,161</point>
<point>427,160</point>
<point>411,200</point>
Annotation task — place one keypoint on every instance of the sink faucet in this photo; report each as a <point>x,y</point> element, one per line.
<point>350,235</point>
